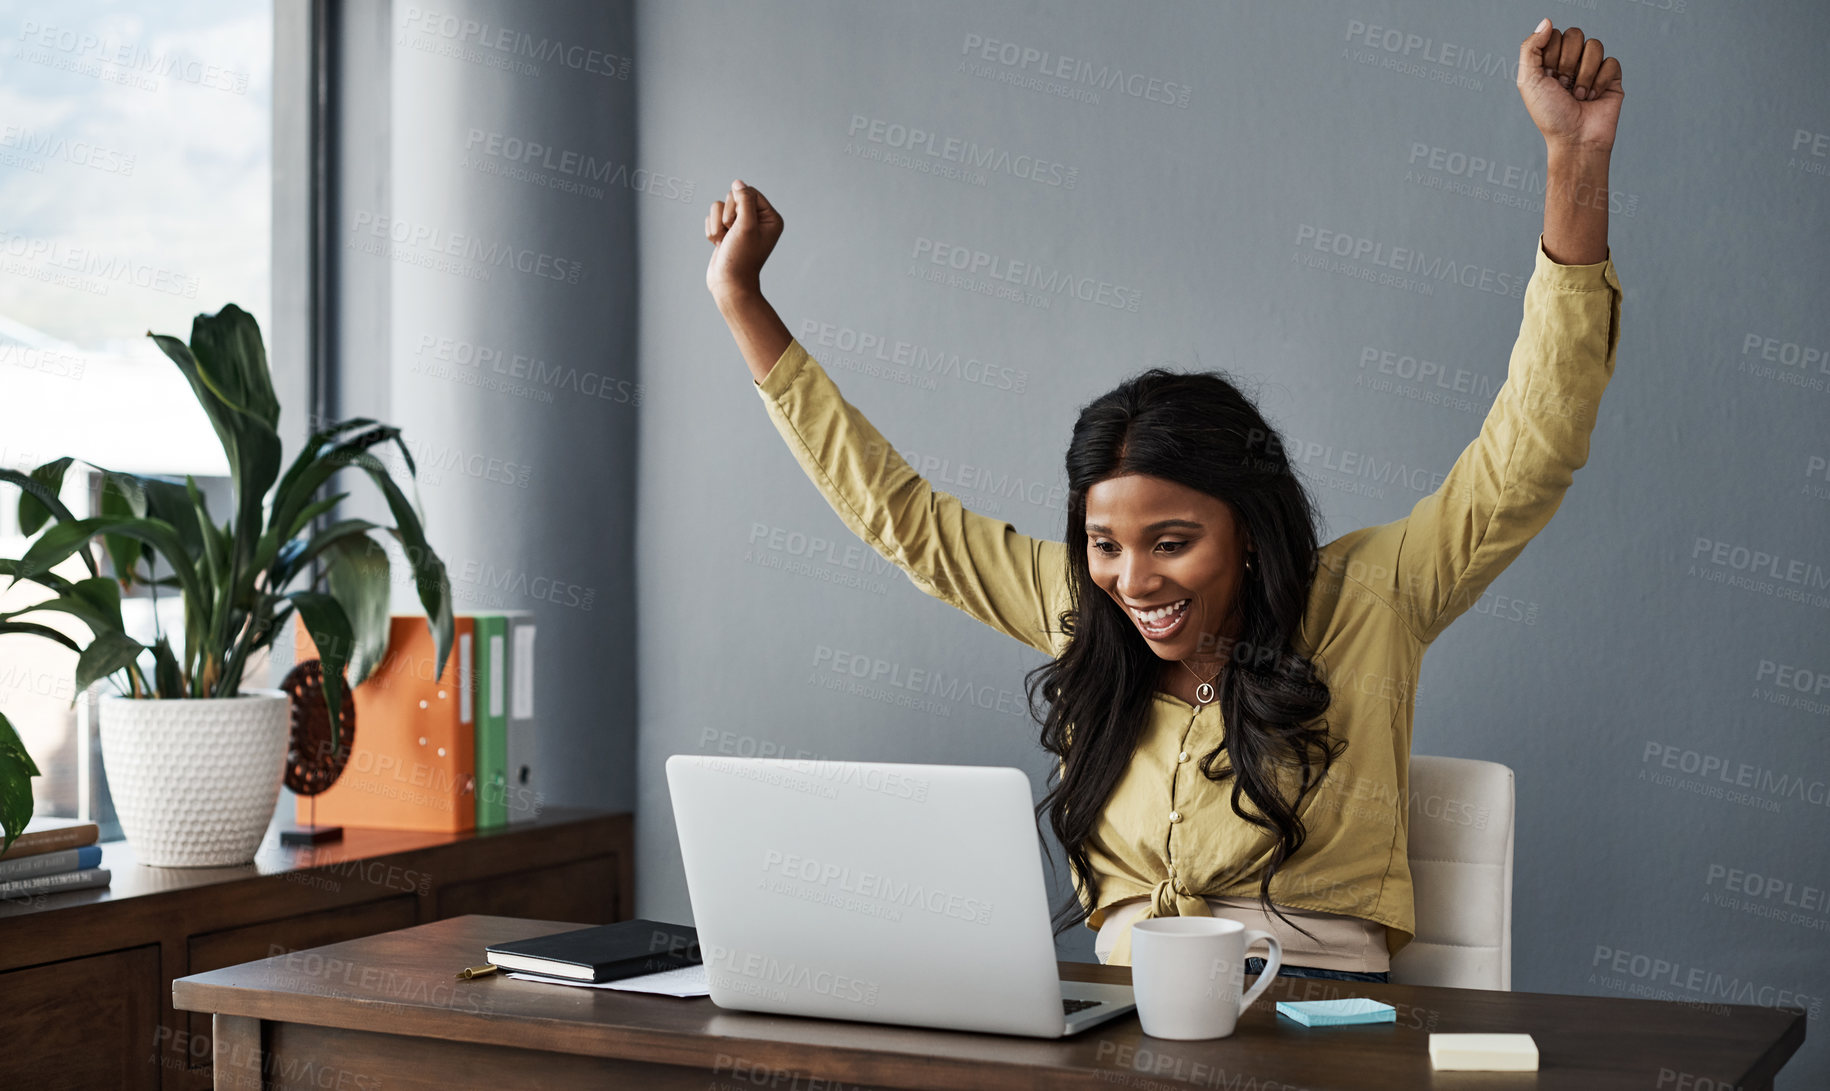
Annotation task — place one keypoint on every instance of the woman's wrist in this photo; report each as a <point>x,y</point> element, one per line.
<point>730,297</point>
<point>1577,161</point>
<point>1576,197</point>
<point>761,335</point>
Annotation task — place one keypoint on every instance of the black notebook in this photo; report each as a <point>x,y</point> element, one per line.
<point>608,952</point>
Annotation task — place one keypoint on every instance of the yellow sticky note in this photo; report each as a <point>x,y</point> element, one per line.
<point>1483,1053</point>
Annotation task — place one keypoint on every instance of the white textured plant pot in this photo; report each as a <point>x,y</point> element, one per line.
<point>195,781</point>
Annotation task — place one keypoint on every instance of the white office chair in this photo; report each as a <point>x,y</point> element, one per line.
<point>1461,872</point>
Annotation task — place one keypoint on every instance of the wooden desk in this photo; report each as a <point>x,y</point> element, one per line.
<point>387,1012</point>
<point>85,975</point>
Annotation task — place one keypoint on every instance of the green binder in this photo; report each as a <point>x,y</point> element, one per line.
<point>492,720</point>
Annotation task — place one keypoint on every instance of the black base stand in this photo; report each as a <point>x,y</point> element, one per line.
<point>311,833</point>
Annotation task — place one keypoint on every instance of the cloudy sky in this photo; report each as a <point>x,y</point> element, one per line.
<point>134,193</point>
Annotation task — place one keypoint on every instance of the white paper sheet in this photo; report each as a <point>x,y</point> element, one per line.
<point>685,981</point>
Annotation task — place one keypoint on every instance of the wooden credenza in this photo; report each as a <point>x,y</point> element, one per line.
<point>86,977</point>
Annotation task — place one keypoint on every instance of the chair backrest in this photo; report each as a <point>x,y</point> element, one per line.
<point>1461,813</point>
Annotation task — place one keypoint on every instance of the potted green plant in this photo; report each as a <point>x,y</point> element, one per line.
<point>195,761</point>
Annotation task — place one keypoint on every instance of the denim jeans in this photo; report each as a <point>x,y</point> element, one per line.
<point>1256,965</point>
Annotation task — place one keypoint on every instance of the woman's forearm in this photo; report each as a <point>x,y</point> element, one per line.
<point>760,332</point>
<point>1576,206</point>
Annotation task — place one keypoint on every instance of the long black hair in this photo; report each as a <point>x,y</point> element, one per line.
<point>1198,430</point>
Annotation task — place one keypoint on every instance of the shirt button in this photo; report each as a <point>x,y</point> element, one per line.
<point>1183,756</point>
<point>1175,816</point>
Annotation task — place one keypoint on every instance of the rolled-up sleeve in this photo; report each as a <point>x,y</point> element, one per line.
<point>980,565</point>
<point>1432,565</point>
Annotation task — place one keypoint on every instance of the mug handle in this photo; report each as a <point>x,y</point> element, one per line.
<point>1271,966</point>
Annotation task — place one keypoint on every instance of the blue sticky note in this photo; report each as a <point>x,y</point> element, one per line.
<point>1337,1013</point>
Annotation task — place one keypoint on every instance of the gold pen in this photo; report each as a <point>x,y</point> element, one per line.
<point>469,972</point>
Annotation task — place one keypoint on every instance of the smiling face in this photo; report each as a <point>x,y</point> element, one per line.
<point>1172,554</point>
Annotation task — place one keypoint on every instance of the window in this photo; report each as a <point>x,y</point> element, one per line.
<point>135,193</point>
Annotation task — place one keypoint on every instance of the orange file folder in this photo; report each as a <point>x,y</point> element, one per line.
<point>413,766</point>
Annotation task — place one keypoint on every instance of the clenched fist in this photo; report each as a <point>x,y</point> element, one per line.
<point>1570,87</point>
<point>742,229</point>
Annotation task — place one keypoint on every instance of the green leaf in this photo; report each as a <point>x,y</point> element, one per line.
<point>168,680</point>
<point>228,347</point>
<point>142,497</point>
<point>229,352</point>
<point>48,498</point>
<point>16,772</point>
<point>312,511</point>
<point>358,576</point>
<point>107,653</point>
<point>52,580</point>
<point>64,539</point>
<point>32,628</point>
<point>429,576</point>
<point>121,497</point>
<point>329,627</point>
<point>96,602</point>
<point>275,626</point>
<point>104,595</point>
<point>215,547</point>
<point>128,490</point>
<point>428,571</point>
<point>55,545</point>
<point>170,502</point>
<point>299,552</point>
<point>254,471</point>
<point>277,539</point>
<point>32,512</point>
<point>309,454</point>
<point>302,481</point>
<point>226,366</point>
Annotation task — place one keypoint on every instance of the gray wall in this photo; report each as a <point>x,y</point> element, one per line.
<point>486,295</point>
<point>1614,644</point>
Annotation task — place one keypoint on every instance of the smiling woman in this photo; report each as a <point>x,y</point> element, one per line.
<point>1199,558</point>
<point>1231,703</point>
<point>1199,538</point>
<point>1179,575</point>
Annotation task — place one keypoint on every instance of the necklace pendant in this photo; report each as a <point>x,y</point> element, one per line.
<point>1204,693</point>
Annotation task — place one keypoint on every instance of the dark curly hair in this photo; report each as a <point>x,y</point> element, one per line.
<point>1198,430</point>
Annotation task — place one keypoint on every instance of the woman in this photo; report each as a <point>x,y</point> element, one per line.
<point>1230,702</point>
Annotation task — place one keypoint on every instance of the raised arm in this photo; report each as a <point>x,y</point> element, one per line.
<point>1505,486</point>
<point>740,246</point>
<point>980,565</point>
<point>1573,93</point>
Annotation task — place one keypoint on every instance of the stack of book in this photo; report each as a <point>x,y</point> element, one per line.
<point>52,855</point>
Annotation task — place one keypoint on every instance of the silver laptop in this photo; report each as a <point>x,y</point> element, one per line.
<point>879,892</point>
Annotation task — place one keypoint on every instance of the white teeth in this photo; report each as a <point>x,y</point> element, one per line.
<point>1158,615</point>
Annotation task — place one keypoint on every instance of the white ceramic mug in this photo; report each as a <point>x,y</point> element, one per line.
<point>1186,973</point>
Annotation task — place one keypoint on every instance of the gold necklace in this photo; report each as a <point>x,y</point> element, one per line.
<point>1204,692</point>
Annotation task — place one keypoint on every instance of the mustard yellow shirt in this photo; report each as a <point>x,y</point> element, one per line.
<point>1381,595</point>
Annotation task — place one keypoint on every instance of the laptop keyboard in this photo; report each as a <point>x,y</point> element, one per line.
<point>1069,1007</point>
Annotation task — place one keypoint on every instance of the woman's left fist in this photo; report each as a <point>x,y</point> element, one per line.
<point>1571,88</point>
